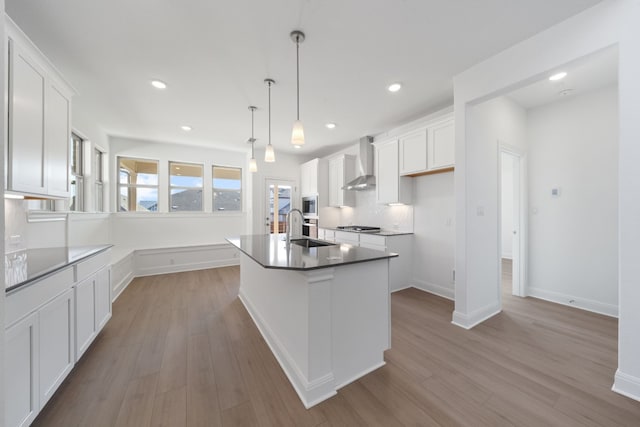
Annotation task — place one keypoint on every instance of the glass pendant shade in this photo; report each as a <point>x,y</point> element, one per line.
<point>269,154</point>
<point>253,166</point>
<point>297,135</point>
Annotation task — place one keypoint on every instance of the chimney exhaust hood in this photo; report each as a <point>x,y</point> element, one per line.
<point>366,180</point>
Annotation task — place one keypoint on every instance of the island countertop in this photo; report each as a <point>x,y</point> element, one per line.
<point>271,251</point>
<point>30,265</point>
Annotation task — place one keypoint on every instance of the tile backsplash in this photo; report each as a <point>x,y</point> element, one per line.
<point>368,212</point>
<point>21,234</point>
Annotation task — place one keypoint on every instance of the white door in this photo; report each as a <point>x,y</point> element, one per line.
<point>279,199</point>
<point>512,210</point>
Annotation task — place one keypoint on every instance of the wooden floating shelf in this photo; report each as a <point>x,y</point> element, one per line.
<point>413,175</point>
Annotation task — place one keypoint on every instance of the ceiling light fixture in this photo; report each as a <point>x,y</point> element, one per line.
<point>186,128</point>
<point>253,166</point>
<point>558,76</point>
<point>297,134</point>
<point>394,87</point>
<point>330,125</point>
<point>158,84</point>
<point>269,154</point>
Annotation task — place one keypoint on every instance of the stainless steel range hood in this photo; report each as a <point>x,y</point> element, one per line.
<point>366,180</point>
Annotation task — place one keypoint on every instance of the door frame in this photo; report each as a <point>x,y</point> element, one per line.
<point>265,188</point>
<point>519,286</point>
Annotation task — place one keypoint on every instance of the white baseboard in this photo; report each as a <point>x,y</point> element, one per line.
<point>360,374</point>
<point>189,266</point>
<point>572,301</point>
<point>402,288</point>
<point>441,291</point>
<point>468,321</point>
<point>627,385</point>
<point>311,393</point>
<point>119,287</point>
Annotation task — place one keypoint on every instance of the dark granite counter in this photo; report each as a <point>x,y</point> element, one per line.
<point>271,251</point>
<point>28,266</point>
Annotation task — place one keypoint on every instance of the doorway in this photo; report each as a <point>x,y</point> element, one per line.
<point>279,199</point>
<point>512,192</point>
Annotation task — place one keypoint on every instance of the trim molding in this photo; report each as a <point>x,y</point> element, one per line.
<point>627,385</point>
<point>571,301</point>
<point>468,321</point>
<point>432,288</point>
<point>191,266</point>
<point>311,393</point>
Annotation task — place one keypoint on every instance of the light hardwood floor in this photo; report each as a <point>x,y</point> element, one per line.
<point>181,350</point>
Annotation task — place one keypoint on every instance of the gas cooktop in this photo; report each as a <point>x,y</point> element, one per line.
<point>358,228</point>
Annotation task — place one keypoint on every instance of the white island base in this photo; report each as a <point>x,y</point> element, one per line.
<point>326,327</point>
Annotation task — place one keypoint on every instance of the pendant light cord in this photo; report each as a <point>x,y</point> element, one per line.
<point>298,73</point>
<point>269,113</point>
<point>253,141</point>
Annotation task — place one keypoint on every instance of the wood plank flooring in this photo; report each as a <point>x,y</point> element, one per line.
<point>181,350</point>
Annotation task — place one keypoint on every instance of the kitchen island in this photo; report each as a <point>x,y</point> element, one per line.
<point>324,311</point>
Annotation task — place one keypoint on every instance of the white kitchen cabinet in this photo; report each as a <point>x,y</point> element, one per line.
<point>326,234</point>
<point>85,315</point>
<point>441,145</point>
<point>39,121</point>
<point>342,169</point>
<point>56,343</point>
<point>391,188</point>
<point>413,152</point>
<point>21,378</point>
<point>347,237</point>
<point>309,178</point>
<point>103,297</point>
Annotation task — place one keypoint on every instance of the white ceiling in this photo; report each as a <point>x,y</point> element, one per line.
<point>592,72</point>
<point>214,55</point>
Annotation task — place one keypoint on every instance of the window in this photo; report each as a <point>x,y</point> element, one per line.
<point>76,203</point>
<point>185,187</point>
<point>227,189</point>
<point>137,185</point>
<point>98,167</point>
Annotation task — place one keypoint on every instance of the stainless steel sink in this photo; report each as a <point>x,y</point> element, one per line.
<point>310,243</point>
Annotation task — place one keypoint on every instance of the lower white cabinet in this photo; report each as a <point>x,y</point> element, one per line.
<point>56,343</point>
<point>93,308</point>
<point>21,380</point>
<point>52,322</point>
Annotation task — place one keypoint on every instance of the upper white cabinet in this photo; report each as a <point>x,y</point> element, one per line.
<point>391,188</point>
<point>413,152</point>
<point>428,149</point>
<point>309,178</point>
<point>341,170</point>
<point>441,145</point>
<point>39,121</point>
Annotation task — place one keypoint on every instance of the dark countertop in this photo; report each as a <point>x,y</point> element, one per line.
<point>270,251</point>
<point>30,265</point>
<point>378,233</point>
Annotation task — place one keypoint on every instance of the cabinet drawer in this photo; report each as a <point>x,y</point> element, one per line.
<point>28,299</point>
<point>369,240</point>
<point>346,237</point>
<point>89,266</point>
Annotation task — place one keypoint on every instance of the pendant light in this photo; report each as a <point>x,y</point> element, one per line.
<point>269,154</point>
<point>297,134</point>
<point>253,166</point>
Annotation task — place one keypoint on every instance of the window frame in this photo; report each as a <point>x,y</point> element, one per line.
<point>213,190</point>
<point>174,187</point>
<point>99,156</point>
<point>77,174</point>
<point>129,185</point>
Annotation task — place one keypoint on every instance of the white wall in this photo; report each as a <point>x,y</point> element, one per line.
<point>507,206</point>
<point>573,238</point>
<point>607,23</point>
<point>434,234</point>
<point>494,122</point>
<point>3,54</point>
<point>163,229</point>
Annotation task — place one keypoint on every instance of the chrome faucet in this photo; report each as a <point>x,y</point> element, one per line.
<point>288,222</point>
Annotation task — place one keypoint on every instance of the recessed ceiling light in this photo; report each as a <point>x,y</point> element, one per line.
<point>158,84</point>
<point>330,125</point>
<point>558,76</point>
<point>394,87</point>
<point>297,146</point>
<point>185,128</point>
